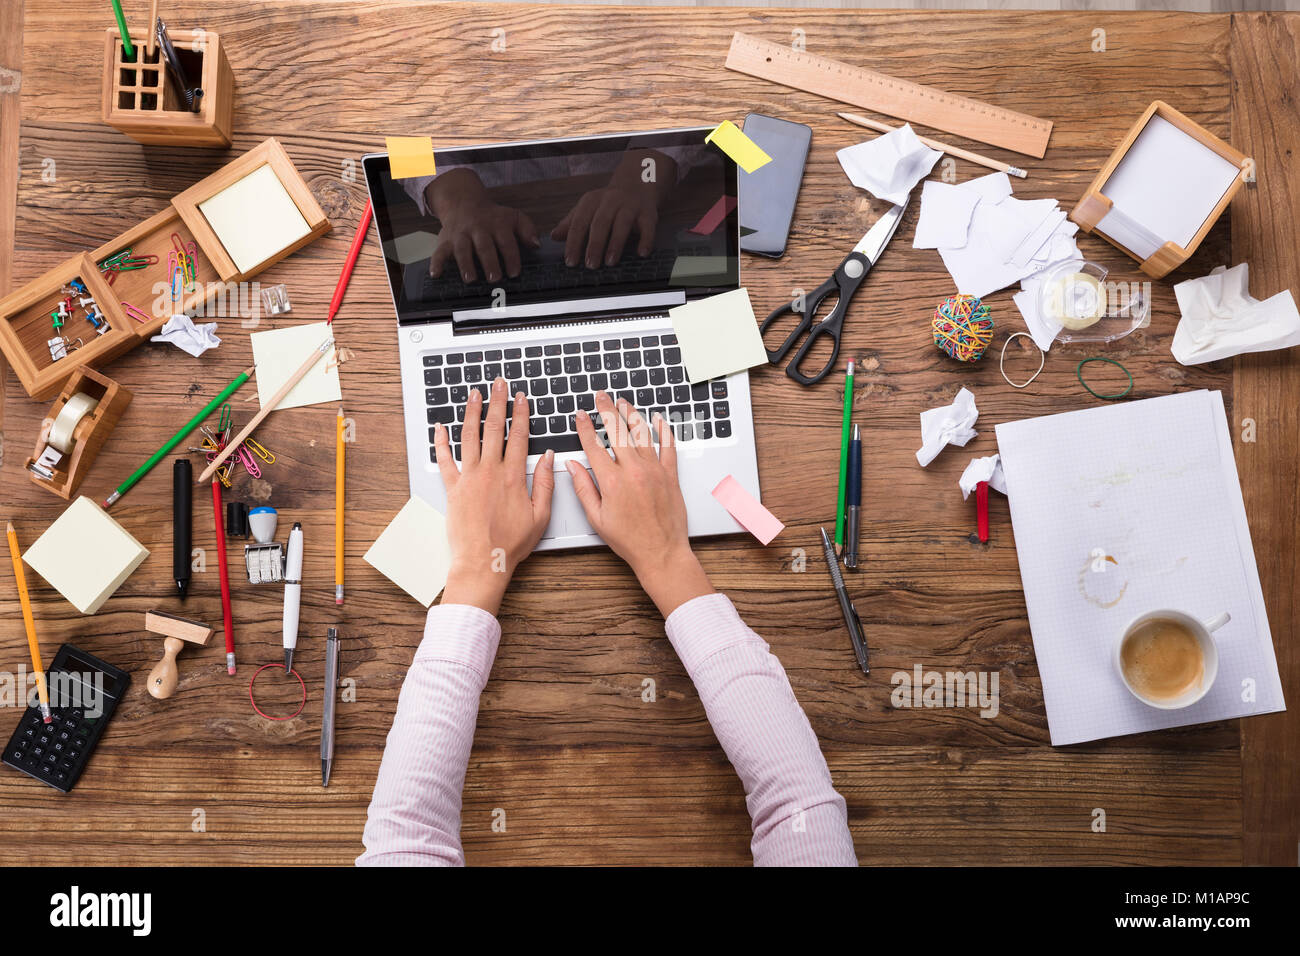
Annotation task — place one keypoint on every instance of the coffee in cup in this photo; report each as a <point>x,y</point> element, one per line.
<point>1168,659</point>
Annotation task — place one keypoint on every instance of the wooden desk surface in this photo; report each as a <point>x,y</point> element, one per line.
<point>584,769</point>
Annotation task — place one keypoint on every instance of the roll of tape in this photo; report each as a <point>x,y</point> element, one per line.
<point>65,423</point>
<point>1076,301</point>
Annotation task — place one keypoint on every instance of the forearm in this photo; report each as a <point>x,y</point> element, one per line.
<point>414,816</point>
<point>798,817</point>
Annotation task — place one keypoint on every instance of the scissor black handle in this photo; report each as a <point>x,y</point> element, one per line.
<point>845,280</point>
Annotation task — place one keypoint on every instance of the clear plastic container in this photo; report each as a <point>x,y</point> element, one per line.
<point>1076,295</point>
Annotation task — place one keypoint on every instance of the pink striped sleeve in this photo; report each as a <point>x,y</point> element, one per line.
<point>414,816</point>
<point>798,818</point>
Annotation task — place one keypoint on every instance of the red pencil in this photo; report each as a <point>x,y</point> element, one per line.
<point>219,519</point>
<point>357,242</point>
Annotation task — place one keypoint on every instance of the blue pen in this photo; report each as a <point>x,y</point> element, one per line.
<point>853,499</point>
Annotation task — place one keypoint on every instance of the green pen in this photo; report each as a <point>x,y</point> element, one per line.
<point>844,455</point>
<point>127,48</point>
<point>175,440</point>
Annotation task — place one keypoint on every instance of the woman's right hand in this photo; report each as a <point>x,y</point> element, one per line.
<point>638,509</point>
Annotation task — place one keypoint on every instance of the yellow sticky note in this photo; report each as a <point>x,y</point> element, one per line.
<point>729,138</point>
<point>410,156</point>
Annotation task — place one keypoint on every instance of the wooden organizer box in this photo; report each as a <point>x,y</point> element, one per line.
<point>141,98</point>
<point>87,437</point>
<point>1095,206</point>
<point>25,325</point>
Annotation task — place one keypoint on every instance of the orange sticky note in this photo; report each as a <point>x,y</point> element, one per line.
<point>729,138</point>
<point>748,510</point>
<point>410,156</point>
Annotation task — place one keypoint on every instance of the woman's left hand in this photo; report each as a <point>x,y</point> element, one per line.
<point>492,521</point>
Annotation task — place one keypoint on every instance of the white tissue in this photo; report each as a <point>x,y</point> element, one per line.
<point>181,332</point>
<point>949,425</point>
<point>982,469</point>
<point>1221,319</point>
<point>889,165</point>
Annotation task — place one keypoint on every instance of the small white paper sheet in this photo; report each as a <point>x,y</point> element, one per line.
<point>1121,510</point>
<point>279,353</point>
<point>718,335</point>
<point>946,212</point>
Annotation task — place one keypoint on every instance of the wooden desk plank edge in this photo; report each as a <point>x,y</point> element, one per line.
<point>1266,126</point>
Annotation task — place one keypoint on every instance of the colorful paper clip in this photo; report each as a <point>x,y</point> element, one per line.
<point>260,451</point>
<point>137,314</point>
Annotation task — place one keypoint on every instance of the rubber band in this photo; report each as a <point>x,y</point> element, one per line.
<point>1042,357</point>
<point>1078,371</point>
<point>260,713</point>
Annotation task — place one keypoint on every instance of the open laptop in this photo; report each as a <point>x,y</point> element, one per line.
<point>561,332</point>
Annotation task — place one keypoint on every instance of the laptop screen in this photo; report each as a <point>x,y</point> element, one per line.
<point>553,220</point>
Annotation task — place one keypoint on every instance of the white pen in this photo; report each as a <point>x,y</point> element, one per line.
<point>292,593</point>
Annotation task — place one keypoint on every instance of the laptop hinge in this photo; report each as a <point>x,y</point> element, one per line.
<point>544,311</point>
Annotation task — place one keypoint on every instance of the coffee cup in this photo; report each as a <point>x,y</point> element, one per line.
<point>1168,659</point>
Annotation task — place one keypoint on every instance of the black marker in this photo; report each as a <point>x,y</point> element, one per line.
<point>182,502</point>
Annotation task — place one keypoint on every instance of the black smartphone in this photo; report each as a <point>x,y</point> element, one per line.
<point>768,194</point>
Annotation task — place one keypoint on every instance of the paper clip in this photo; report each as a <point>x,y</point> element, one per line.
<point>246,459</point>
<point>110,276</point>
<point>182,256</point>
<point>133,312</point>
<point>192,262</point>
<point>132,263</point>
<point>114,260</point>
<point>259,450</point>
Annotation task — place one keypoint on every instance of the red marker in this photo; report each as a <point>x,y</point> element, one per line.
<point>357,242</point>
<point>982,509</point>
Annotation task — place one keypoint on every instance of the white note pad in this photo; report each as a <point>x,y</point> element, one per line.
<point>85,555</point>
<point>413,551</point>
<point>255,218</point>
<point>279,353</point>
<point>1152,485</point>
<point>718,335</point>
<point>1166,186</point>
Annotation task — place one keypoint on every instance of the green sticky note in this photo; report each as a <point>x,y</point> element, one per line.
<point>410,156</point>
<point>729,138</point>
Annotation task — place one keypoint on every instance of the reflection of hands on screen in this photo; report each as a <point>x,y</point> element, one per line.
<point>474,226</point>
<point>597,229</point>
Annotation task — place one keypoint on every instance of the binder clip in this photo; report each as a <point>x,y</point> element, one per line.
<point>263,561</point>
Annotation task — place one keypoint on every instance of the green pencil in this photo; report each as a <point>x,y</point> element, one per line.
<point>844,455</point>
<point>127,48</point>
<point>175,440</point>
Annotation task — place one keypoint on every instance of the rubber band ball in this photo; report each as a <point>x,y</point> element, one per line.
<point>963,328</point>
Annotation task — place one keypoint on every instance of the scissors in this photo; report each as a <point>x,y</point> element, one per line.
<point>843,283</point>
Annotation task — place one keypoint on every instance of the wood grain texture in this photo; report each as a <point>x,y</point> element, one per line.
<point>11,76</point>
<point>585,770</point>
<point>1266,125</point>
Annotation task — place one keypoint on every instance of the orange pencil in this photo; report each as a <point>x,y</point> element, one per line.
<point>32,644</point>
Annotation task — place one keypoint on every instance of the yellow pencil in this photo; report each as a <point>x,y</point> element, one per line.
<point>338,509</point>
<point>35,648</point>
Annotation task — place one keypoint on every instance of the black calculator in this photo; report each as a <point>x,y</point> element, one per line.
<point>84,692</point>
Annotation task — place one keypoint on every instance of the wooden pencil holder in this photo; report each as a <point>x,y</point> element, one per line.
<point>141,98</point>
<point>87,436</point>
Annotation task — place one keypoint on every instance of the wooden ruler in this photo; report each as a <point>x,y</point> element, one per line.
<point>885,94</point>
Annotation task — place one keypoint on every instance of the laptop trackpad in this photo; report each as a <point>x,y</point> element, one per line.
<point>567,516</point>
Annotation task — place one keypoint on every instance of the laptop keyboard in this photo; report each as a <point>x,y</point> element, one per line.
<point>561,377</point>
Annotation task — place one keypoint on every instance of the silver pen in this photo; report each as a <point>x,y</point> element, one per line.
<point>851,619</point>
<point>331,696</point>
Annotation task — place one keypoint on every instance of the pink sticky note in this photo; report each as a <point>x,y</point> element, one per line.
<point>713,218</point>
<point>747,509</point>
